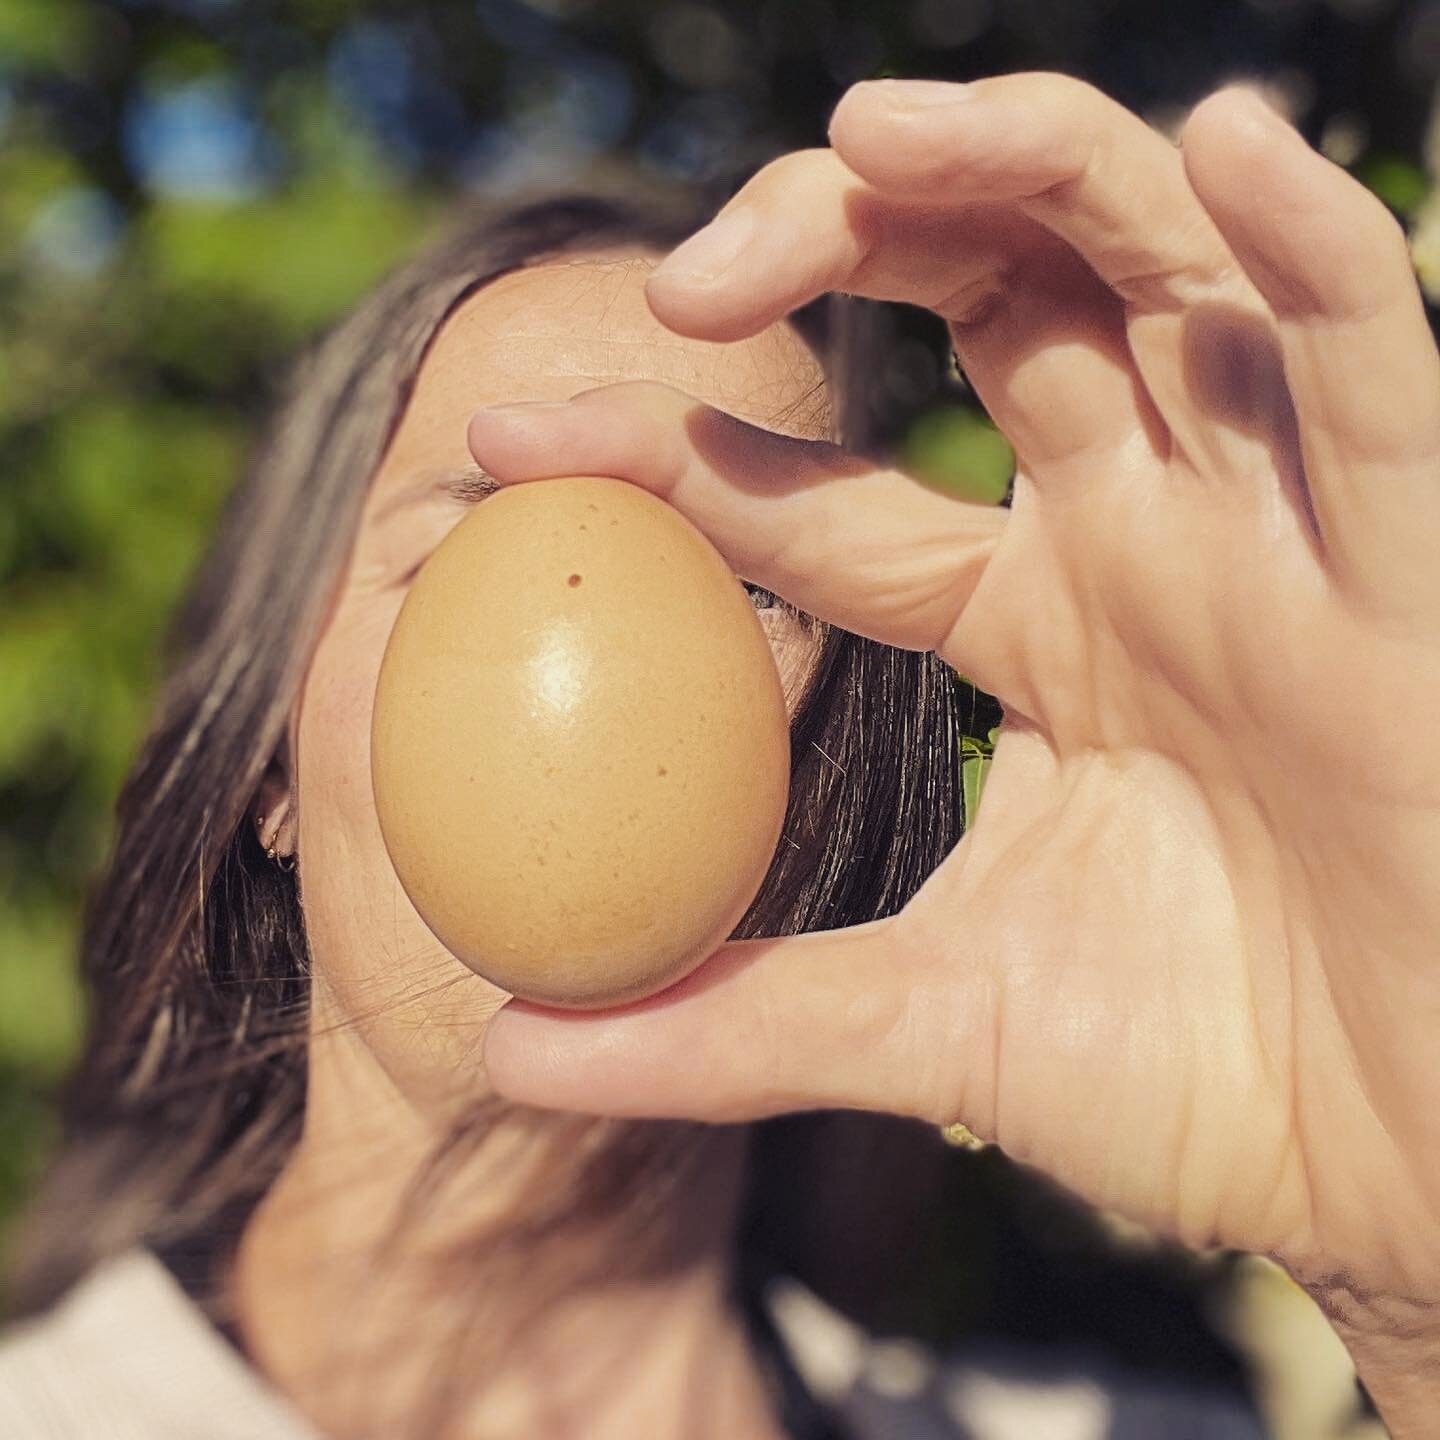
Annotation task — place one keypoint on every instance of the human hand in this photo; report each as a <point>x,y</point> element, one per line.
<point>1188,959</point>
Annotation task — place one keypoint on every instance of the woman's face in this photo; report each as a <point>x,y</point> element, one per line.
<point>536,334</point>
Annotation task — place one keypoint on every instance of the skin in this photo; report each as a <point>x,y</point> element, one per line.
<point>397,1022</point>
<point>1187,959</point>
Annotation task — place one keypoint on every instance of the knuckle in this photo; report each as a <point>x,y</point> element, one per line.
<point>787,170</point>
<point>644,398</point>
<point>1070,89</point>
<point>1086,111</point>
<point>1382,231</point>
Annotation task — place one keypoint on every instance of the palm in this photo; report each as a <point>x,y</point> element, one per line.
<point>1194,739</point>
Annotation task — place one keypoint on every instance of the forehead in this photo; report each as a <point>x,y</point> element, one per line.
<point>548,332</point>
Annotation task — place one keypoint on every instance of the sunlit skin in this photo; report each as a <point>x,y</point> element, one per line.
<point>397,1021</point>
<point>1188,960</point>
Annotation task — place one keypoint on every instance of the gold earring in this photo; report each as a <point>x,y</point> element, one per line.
<point>285,862</point>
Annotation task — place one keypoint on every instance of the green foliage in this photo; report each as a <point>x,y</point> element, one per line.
<point>39,1004</point>
<point>54,34</point>
<point>293,259</point>
<point>975,757</point>
<point>1400,183</point>
<point>133,355</point>
<point>958,450</point>
<point>27,1130</point>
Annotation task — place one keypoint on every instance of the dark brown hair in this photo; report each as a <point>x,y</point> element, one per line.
<point>191,1088</point>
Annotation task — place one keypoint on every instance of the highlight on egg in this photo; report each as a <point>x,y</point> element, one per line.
<point>580,750</point>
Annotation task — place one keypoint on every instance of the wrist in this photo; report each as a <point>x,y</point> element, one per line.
<point>1395,1344</point>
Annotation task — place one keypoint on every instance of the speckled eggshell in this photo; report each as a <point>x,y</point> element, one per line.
<point>580,749</point>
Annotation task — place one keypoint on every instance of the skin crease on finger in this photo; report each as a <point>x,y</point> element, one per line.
<point>397,1021</point>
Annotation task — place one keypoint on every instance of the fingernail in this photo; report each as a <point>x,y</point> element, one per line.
<point>907,95</point>
<point>710,252</point>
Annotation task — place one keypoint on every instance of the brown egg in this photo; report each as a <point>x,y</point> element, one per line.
<point>580,749</point>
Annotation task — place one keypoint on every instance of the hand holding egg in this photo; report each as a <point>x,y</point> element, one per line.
<point>1186,960</point>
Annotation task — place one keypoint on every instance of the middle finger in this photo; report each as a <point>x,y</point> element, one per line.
<point>1112,187</point>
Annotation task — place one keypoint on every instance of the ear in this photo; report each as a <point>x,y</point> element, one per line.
<point>276,816</point>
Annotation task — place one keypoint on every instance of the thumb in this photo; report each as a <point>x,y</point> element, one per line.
<point>857,1018</point>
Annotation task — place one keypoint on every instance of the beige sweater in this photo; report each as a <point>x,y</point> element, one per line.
<point>128,1356</point>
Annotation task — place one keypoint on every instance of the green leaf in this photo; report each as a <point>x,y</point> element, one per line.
<point>959,451</point>
<point>975,758</point>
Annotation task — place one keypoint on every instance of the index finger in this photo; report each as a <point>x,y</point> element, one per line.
<point>1032,189</point>
<point>966,180</point>
<point>1040,336</point>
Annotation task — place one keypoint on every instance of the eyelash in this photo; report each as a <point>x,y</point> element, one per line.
<point>468,489</point>
<point>472,487</point>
